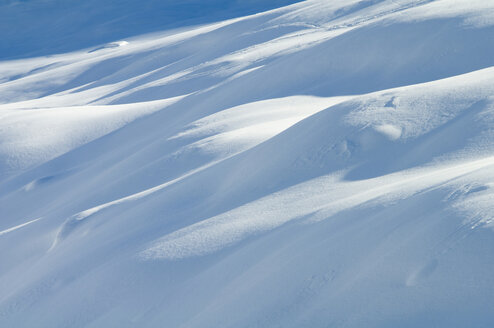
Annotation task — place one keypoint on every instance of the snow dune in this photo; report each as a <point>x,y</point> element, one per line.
<point>34,135</point>
<point>324,164</point>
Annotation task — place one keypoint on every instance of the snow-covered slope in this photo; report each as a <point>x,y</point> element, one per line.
<point>325,164</point>
<point>46,27</point>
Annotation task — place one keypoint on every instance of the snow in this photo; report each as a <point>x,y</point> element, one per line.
<point>327,163</point>
<point>17,227</point>
<point>35,135</point>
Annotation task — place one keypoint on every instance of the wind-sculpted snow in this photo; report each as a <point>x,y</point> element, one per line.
<point>34,135</point>
<point>46,27</point>
<point>325,164</point>
<point>332,196</point>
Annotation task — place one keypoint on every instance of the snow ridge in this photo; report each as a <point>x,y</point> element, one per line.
<point>327,163</point>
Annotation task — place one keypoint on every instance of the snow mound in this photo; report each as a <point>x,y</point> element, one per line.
<point>328,163</point>
<point>111,45</point>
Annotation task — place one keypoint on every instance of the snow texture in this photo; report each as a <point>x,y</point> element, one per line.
<point>323,164</point>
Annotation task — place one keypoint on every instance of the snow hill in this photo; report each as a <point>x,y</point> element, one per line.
<point>45,27</point>
<point>324,164</point>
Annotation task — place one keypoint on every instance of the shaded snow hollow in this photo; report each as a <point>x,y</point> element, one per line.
<point>324,164</point>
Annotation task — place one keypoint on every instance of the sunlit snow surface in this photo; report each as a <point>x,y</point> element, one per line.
<point>325,164</point>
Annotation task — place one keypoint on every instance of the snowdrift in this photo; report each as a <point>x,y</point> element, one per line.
<point>323,164</point>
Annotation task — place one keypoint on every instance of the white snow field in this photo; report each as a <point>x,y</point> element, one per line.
<point>325,164</point>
